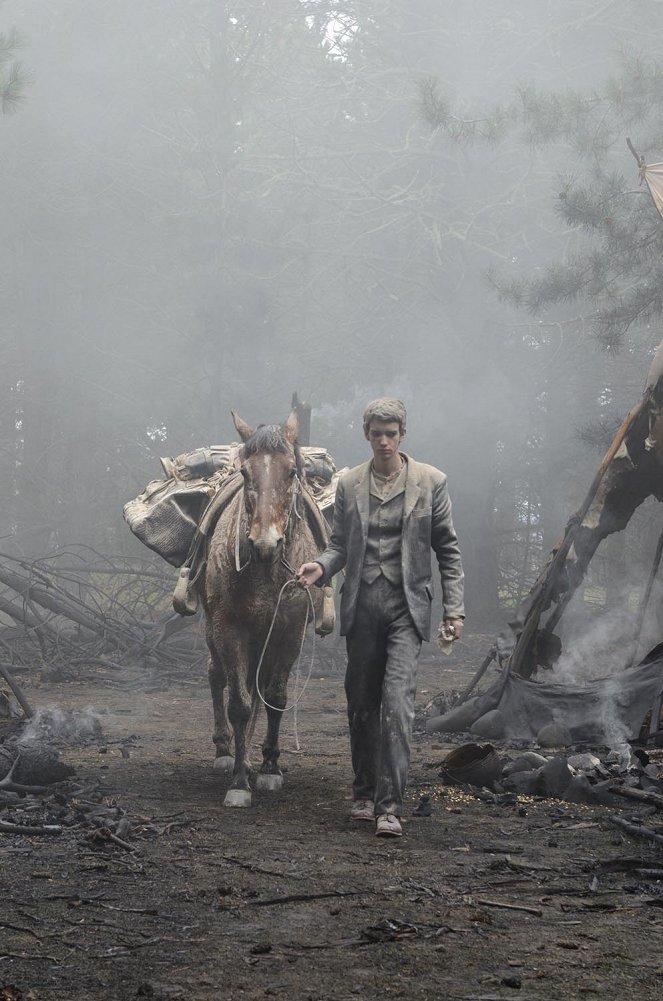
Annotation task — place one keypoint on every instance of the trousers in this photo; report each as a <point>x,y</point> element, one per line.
<point>383,649</point>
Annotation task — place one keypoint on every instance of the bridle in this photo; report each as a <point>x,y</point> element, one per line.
<point>293,512</point>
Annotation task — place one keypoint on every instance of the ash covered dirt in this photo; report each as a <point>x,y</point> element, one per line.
<point>292,900</point>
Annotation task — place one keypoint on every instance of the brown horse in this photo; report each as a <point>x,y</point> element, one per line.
<point>259,540</point>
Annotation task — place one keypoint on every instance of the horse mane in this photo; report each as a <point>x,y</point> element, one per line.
<point>271,438</point>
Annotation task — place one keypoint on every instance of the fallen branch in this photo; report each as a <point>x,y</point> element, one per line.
<point>18,694</point>
<point>510,907</point>
<point>7,828</point>
<point>485,664</point>
<point>637,830</point>
<point>642,795</point>
<point>8,785</point>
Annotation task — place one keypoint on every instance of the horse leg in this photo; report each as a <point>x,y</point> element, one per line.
<point>239,714</point>
<point>270,776</point>
<point>223,761</point>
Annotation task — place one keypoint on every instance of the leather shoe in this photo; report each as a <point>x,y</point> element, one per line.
<point>388,826</point>
<point>363,809</point>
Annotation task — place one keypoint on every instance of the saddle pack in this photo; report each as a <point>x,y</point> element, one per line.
<point>176,516</point>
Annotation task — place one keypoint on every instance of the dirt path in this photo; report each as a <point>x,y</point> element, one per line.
<point>291,900</point>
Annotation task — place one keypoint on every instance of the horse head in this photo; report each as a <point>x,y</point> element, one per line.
<point>271,465</point>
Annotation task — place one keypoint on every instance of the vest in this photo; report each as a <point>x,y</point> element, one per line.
<point>384,540</point>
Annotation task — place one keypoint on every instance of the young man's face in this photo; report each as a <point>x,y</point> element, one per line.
<point>384,437</point>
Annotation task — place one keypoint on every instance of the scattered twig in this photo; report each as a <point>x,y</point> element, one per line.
<point>252,867</point>
<point>30,959</point>
<point>296,897</point>
<point>30,931</point>
<point>104,834</point>
<point>411,885</point>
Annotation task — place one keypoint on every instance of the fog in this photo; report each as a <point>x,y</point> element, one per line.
<point>209,206</point>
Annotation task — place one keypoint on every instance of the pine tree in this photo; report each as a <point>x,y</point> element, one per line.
<point>612,267</point>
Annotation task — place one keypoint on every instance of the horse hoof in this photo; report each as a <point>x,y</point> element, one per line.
<point>266,782</point>
<point>237,797</point>
<point>224,764</point>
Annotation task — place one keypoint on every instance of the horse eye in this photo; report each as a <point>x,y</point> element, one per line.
<point>244,472</point>
<point>292,472</point>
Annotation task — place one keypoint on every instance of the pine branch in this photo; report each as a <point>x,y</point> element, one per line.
<point>9,43</point>
<point>12,89</point>
<point>435,111</point>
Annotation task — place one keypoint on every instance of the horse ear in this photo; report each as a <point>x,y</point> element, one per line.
<point>244,430</point>
<point>291,427</point>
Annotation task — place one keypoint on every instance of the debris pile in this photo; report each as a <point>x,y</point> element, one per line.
<point>38,795</point>
<point>582,777</point>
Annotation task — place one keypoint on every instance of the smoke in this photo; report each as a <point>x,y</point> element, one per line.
<point>604,649</point>
<point>52,724</point>
<point>614,699</point>
<point>602,653</point>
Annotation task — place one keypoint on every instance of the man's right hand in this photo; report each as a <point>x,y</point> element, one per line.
<point>308,573</point>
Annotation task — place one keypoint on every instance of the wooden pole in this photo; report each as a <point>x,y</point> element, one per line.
<point>303,411</point>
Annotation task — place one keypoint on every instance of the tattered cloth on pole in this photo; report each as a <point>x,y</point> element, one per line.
<point>653,175</point>
<point>520,704</point>
<point>606,710</point>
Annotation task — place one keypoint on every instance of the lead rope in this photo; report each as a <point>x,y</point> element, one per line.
<point>293,705</point>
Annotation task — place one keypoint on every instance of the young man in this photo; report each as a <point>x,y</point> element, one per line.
<point>388,515</point>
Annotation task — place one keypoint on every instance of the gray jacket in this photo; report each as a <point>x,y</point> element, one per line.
<point>427,525</point>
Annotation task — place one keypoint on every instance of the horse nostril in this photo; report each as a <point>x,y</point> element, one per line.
<point>267,549</point>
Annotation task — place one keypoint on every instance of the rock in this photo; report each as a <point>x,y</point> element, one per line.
<point>584,762</point>
<point>491,725</point>
<point>554,735</point>
<point>602,794</point>
<point>458,720</point>
<point>579,790</point>
<point>524,762</point>
<point>523,783</point>
<point>554,777</point>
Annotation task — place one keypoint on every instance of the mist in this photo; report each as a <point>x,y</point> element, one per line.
<point>211,206</point>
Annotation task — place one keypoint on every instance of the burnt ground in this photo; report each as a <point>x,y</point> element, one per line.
<point>534,899</point>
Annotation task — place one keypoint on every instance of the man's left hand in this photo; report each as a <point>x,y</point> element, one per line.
<point>451,629</point>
